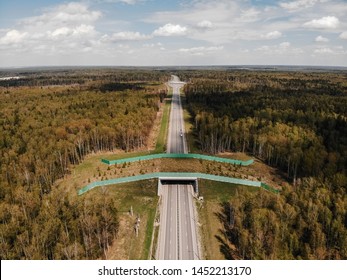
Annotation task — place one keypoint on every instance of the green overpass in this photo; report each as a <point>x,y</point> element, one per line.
<point>180,156</point>
<point>173,175</point>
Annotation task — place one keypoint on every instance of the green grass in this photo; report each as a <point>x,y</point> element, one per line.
<point>149,233</point>
<point>142,197</point>
<point>84,165</point>
<point>214,193</point>
<point>155,242</point>
<point>219,191</point>
<point>130,194</point>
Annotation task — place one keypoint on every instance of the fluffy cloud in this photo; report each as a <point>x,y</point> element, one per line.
<point>66,14</point>
<point>171,30</point>
<point>61,29</point>
<point>272,35</point>
<point>64,32</point>
<point>198,11</point>
<point>77,31</point>
<point>125,36</point>
<point>204,24</point>
<point>323,51</point>
<point>321,39</point>
<point>154,46</point>
<point>330,52</point>
<point>13,37</point>
<point>280,49</point>
<point>249,15</point>
<point>224,22</point>
<point>284,45</point>
<point>343,35</point>
<point>300,4</point>
<point>329,22</point>
<point>201,49</point>
<point>335,51</point>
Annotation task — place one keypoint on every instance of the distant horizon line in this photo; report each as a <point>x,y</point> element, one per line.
<point>179,66</point>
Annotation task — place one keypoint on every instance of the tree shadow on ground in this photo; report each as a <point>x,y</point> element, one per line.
<point>225,216</point>
<point>225,248</point>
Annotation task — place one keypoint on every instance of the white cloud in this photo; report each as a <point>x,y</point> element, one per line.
<point>321,39</point>
<point>343,35</point>
<point>66,28</point>
<point>335,51</point>
<point>73,33</point>
<point>330,22</point>
<point>154,45</point>
<point>283,48</point>
<point>300,4</point>
<point>65,14</point>
<point>81,30</point>
<point>284,45</point>
<point>62,31</point>
<point>125,36</point>
<point>171,30</point>
<point>198,11</point>
<point>195,49</point>
<point>201,51</point>
<point>249,15</point>
<point>224,21</point>
<point>272,35</point>
<point>323,51</point>
<point>204,24</point>
<point>13,37</point>
<point>263,49</point>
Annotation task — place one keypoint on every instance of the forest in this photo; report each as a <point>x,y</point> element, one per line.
<point>296,122</point>
<point>49,121</point>
<point>308,223</point>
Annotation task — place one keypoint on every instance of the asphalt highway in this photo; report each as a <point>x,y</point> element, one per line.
<point>177,234</point>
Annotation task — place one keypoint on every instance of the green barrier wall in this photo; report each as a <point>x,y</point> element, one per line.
<point>195,156</point>
<point>268,188</point>
<point>175,175</point>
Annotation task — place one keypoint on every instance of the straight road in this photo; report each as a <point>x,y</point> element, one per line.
<point>177,233</point>
<point>176,140</point>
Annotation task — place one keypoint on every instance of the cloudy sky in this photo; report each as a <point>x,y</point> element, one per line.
<point>175,32</point>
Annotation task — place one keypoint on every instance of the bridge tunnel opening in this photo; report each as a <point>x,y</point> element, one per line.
<point>178,181</point>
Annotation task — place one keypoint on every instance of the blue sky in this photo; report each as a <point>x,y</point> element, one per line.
<point>153,32</point>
